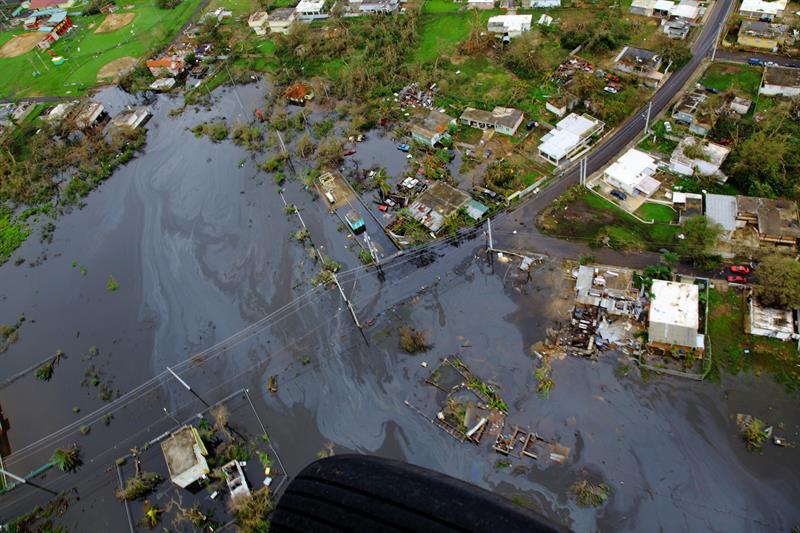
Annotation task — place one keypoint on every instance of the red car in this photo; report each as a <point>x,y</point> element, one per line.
<point>740,269</point>
<point>736,279</point>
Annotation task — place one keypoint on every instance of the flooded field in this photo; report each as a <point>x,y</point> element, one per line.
<point>199,243</point>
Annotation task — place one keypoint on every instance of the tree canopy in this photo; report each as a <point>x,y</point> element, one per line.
<point>779,282</point>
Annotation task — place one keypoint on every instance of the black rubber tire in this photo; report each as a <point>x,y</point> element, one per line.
<point>370,494</point>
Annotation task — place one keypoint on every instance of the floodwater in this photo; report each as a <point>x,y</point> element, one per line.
<point>199,243</point>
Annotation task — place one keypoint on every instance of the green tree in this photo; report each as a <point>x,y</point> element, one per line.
<point>698,239</point>
<point>779,282</point>
<point>66,459</point>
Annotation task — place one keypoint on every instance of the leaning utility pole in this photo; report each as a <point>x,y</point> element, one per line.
<point>716,41</point>
<point>186,385</point>
<point>647,118</point>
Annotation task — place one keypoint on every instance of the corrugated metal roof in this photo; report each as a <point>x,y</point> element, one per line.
<point>721,209</point>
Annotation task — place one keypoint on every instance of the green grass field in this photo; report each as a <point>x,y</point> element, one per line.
<point>656,212</point>
<point>590,216</point>
<point>726,317</point>
<point>86,52</point>
<point>440,6</point>
<point>723,76</point>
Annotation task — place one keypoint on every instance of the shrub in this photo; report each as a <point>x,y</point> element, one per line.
<point>139,486</point>
<point>589,495</point>
<point>413,341</point>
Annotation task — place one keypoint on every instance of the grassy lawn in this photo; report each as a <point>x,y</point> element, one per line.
<point>727,313</point>
<point>237,7</point>
<point>440,6</point>
<point>723,76</point>
<point>593,219</point>
<point>440,35</point>
<point>657,212</point>
<point>86,52</point>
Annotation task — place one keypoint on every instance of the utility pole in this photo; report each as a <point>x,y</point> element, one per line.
<point>26,482</point>
<point>647,118</point>
<point>234,86</point>
<point>172,417</point>
<point>716,41</point>
<point>186,385</point>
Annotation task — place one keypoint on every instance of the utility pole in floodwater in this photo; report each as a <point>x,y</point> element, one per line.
<point>24,481</point>
<point>186,385</point>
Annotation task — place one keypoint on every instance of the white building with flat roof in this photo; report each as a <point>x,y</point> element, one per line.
<point>570,138</point>
<point>633,173</point>
<point>675,314</point>
<point>510,25</point>
<point>762,9</point>
<point>310,10</point>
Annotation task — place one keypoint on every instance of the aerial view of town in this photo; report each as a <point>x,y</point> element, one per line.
<point>399,265</point>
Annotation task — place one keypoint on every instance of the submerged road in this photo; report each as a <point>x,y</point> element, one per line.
<point>615,143</point>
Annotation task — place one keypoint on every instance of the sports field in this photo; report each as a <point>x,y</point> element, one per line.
<point>87,50</point>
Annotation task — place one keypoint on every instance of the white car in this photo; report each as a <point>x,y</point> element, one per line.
<point>609,89</point>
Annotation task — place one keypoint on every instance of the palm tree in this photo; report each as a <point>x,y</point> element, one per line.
<point>66,460</point>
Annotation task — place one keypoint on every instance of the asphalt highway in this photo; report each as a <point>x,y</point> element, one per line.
<point>634,126</point>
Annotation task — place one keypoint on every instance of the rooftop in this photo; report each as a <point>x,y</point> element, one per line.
<point>675,304</point>
<point>762,30</point>
<point>690,102</point>
<point>771,319</point>
<point>511,23</point>
<point>685,10</point>
<point>436,203</point>
<point>713,153</point>
<point>639,58</point>
<point>434,122</point>
<point>766,7</point>
<point>783,76</point>
<point>185,453</point>
<point>632,167</point>
<point>775,217</point>
<point>504,116</point>
<point>282,14</point>
<point>309,5</point>
<point>721,209</point>
<point>568,133</point>
<point>259,17</point>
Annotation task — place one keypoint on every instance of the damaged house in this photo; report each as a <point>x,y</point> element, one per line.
<point>608,288</point>
<point>643,64</point>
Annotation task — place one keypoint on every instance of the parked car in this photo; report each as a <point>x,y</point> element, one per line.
<point>724,142</point>
<point>770,64</point>
<point>383,208</point>
<point>711,90</point>
<point>667,126</point>
<point>610,89</point>
<point>618,194</point>
<point>740,269</point>
<point>754,61</point>
<point>403,147</point>
<point>736,279</point>
<point>532,124</point>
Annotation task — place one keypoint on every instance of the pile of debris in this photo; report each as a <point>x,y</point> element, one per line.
<point>564,73</point>
<point>521,443</point>
<point>413,96</point>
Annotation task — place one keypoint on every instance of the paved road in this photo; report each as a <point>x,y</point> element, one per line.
<point>530,238</point>
<point>742,57</point>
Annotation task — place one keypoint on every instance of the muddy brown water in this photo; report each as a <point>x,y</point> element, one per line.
<point>199,245</point>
